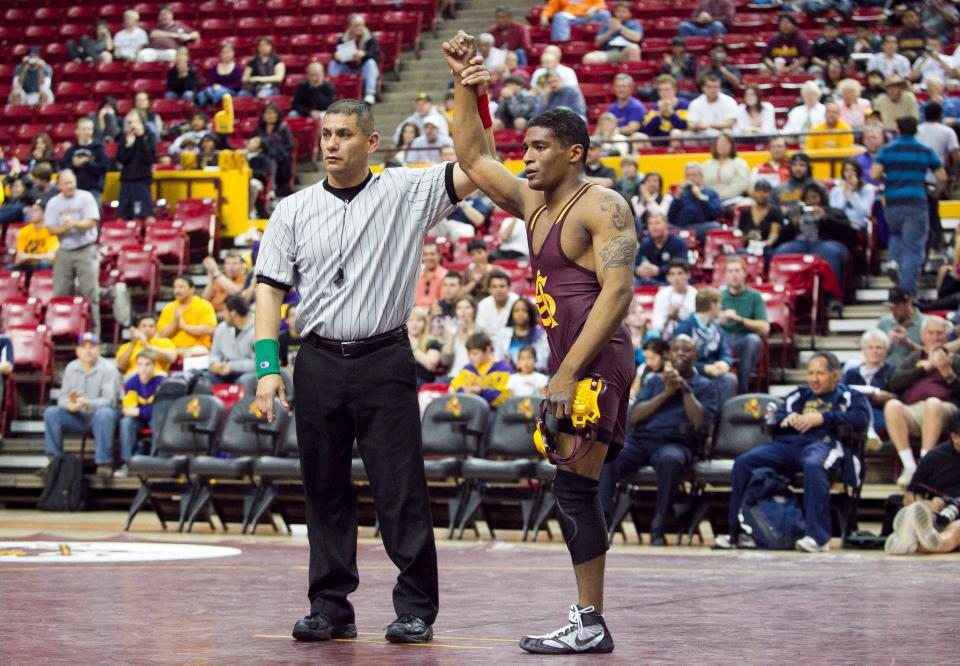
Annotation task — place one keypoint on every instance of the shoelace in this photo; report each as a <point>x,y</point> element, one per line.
<point>576,615</point>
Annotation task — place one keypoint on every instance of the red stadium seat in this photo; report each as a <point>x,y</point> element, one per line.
<point>389,50</point>
<point>85,107</point>
<point>56,54</point>
<point>216,28</point>
<point>10,240</point>
<point>33,351</point>
<point>41,286</point>
<point>25,133</point>
<point>643,299</point>
<point>138,265</point>
<point>20,313</point>
<point>347,85</point>
<point>288,25</point>
<point>280,7</point>
<point>150,70</point>
<point>82,14</point>
<point>408,25</point>
<point>13,284</point>
<point>596,93</point>
<point>153,87</point>
<point>68,317</point>
<point>229,394</point>
<point>114,236</point>
<point>802,273</point>
<point>72,91</point>
<point>247,8</point>
<point>323,24</point>
<point>112,12</point>
<point>63,132</point>
<point>17,113</point>
<point>721,241</point>
<point>39,35</point>
<point>779,300</point>
<point>56,112</point>
<point>199,216</point>
<point>169,242</point>
<point>306,133</point>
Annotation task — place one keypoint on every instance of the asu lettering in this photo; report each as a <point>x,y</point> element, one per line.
<point>546,306</point>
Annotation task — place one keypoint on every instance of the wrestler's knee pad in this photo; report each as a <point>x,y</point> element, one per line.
<point>580,515</point>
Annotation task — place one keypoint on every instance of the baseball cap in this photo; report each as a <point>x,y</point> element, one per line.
<point>88,337</point>
<point>897,295</point>
<point>423,95</point>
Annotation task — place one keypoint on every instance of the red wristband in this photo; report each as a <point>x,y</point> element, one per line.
<point>483,107</point>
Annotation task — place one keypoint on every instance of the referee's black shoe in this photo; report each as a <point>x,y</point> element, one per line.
<point>317,627</point>
<point>409,629</point>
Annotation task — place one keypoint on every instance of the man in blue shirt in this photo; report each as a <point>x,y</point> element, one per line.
<point>618,39</point>
<point>696,208</point>
<point>629,110</point>
<point>670,407</point>
<point>656,251</point>
<point>902,164</point>
<point>556,95</point>
<point>806,440</point>
<point>713,354</point>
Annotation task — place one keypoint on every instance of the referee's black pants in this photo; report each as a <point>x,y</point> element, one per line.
<point>372,399</point>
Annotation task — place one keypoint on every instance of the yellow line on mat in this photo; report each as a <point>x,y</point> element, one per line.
<point>363,640</point>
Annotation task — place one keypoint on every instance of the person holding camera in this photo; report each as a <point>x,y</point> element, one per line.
<point>697,208</point>
<point>88,159</point>
<point>32,80</point>
<point>928,521</point>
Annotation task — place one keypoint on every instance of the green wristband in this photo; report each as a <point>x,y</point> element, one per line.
<point>267,353</point>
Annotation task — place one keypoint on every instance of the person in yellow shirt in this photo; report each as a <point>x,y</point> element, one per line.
<point>189,320</point>
<point>143,336</point>
<point>483,375</point>
<point>36,246</point>
<point>831,123</point>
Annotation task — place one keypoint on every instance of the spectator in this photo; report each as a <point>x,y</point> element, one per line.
<point>678,62</point>
<point>167,37</point>
<point>675,302</point>
<point>72,216</point>
<point>697,208</point>
<point>672,409</point>
<point>511,68</point>
<point>43,187</point>
<point>278,144</point>
<point>874,87</point>
<point>864,41</point>
<point>927,386</point>
<point>139,391</point>
<point>432,273</point>
<point>135,156</point>
<point>188,321</point>
<point>789,194</point>
<point>263,76</point>
<point>494,59</point>
<point>754,116</point>
<point>14,206</point>
<point>809,114</point>
<point>628,184</point>
<point>743,320</point>
<point>445,306</point>
<point>526,381</point>
<point>475,277</point>
<point>191,137</point>
<point>871,376</point>
<point>903,164</point>
<point>941,138</point>
<point>776,170</point>
<point>651,199</point>
<point>806,440</point>
<point>550,60</point>
<point>88,159</point>
<point>424,111</point>
<point>358,52</point>
<point>99,48</point>
<point>87,404</point>
<point>712,111</point>
<point>224,78</point>
<point>6,363</point>
<point>831,123</point>
<point>831,76</point>
<point>830,44</point>
<point>872,139</point>
<point>913,36</point>
<point>510,35</point>
<point>408,132</point>
<point>493,311</point>
<point>654,361</point>
<point>313,95</point>
<point>262,175</point>
<point>32,80</point>
<point>720,67</point>
<point>130,39</point>
<point>207,154</point>
<point>425,149</point>
<point>888,62</point>
<point>594,170</point>
<point>607,134</point>
<point>143,337</point>
<point>520,332</point>
<point>224,283</point>
<point>950,106</point>
<point>106,125</point>
<point>182,81</point>
<point>709,19</point>
<point>725,173</point>
<point>903,325</point>
<point>566,13</point>
<point>932,63</point>
<point>553,95</point>
<point>289,340</point>
<point>761,221</point>
<point>426,349</point>
<point>713,355</point>
<point>853,107</point>
<point>36,246</point>
<point>41,152</point>
<point>896,102</point>
<point>663,121</point>
<point>666,87</point>
<point>513,240</point>
<point>939,17</point>
<point>456,333</point>
<point>628,110</point>
<point>231,354</point>
<point>788,51</point>
<point>517,105</point>
<point>854,196</point>
<point>817,231</point>
<point>619,39</point>
<point>483,375</point>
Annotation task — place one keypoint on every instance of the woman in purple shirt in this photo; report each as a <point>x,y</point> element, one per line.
<point>224,78</point>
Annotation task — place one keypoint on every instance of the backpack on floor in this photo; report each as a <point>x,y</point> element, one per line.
<point>65,488</point>
<point>770,511</point>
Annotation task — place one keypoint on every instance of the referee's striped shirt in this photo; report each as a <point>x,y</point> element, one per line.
<point>382,228</point>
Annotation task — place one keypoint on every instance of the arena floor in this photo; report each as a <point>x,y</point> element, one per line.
<point>68,596</point>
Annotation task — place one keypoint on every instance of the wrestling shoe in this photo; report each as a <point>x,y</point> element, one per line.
<point>724,542</point>
<point>586,633</point>
<point>808,544</point>
<point>923,524</point>
<point>409,629</point>
<point>317,627</point>
<point>903,540</point>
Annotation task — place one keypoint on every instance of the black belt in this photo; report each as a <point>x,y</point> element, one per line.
<point>354,348</point>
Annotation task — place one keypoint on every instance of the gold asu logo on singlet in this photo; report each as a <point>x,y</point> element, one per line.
<point>193,408</point>
<point>546,306</point>
<point>453,406</point>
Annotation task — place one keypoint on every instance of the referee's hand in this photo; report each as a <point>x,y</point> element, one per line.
<point>268,388</point>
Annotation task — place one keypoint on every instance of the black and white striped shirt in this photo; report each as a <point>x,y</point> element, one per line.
<point>376,235</point>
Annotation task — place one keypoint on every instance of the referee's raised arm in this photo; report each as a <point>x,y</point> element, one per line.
<point>266,326</point>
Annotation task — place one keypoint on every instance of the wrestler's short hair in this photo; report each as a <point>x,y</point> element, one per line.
<point>567,126</point>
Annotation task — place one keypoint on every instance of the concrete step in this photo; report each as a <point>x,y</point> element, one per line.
<point>851,325</point>
<point>843,355</point>
<point>864,310</point>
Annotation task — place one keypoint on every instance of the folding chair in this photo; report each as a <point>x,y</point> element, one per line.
<point>20,312</point>
<point>68,317</point>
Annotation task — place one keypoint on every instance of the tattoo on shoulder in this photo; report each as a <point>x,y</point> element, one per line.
<point>618,252</point>
<point>613,206</point>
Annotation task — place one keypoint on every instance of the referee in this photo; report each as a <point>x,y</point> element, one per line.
<point>351,245</point>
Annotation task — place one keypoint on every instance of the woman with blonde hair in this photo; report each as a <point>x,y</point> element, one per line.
<point>853,107</point>
<point>608,134</point>
<point>426,348</point>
